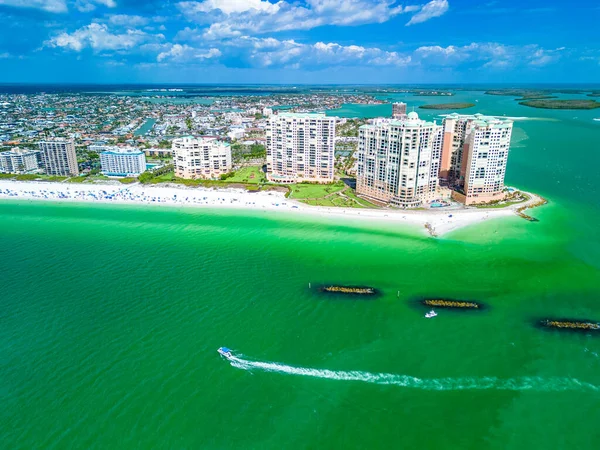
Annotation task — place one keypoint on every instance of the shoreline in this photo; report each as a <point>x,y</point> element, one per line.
<point>435,222</point>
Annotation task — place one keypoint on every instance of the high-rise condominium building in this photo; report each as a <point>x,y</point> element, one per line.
<point>300,147</point>
<point>484,158</point>
<point>122,162</point>
<point>399,110</point>
<point>59,158</point>
<point>456,129</point>
<point>203,157</point>
<point>19,160</point>
<point>399,161</point>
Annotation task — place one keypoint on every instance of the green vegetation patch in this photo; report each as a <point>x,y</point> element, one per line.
<point>314,191</point>
<point>241,152</point>
<point>531,94</point>
<point>513,199</point>
<point>27,177</point>
<point>562,104</point>
<point>160,175</point>
<point>127,180</point>
<point>448,106</point>
<point>350,127</point>
<point>250,175</point>
<point>79,179</point>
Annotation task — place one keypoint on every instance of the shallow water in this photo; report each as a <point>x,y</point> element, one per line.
<point>110,318</point>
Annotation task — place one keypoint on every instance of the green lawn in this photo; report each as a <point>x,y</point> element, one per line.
<point>250,175</point>
<point>165,178</point>
<point>350,193</point>
<point>316,191</point>
<point>31,177</point>
<point>335,198</point>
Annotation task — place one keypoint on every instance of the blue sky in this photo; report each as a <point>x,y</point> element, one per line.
<point>299,41</point>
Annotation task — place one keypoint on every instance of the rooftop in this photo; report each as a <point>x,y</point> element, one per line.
<point>479,118</point>
<point>122,151</point>
<point>303,115</point>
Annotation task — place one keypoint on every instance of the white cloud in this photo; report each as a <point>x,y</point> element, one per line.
<point>59,6</point>
<point>54,6</point>
<point>434,8</point>
<point>228,6</point>
<point>489,54</point>
<point>185,53</point>
<point>271,52</point>
<point>228,18</point>
<point>128,20</point>
<point>90,5</point>
<point>98,37</point>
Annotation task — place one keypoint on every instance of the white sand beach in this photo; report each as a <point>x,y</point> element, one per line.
<point>439,221</point>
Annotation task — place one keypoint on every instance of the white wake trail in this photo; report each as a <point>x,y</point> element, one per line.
<point>554,384</point>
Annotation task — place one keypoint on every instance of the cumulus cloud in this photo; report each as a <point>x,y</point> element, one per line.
<point>488,54</point>
<point>271,52</point>
<point>229,18</point>
<point>59,6</point>
<point>98,37</point>
<point>228,6</point>
<point>185,53</point>
<point>435,8</point>
<point>128,20</point>
<point>54,6</point>
<point>90,5</point>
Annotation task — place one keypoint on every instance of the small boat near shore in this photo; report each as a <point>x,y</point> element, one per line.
<point>430,314</point>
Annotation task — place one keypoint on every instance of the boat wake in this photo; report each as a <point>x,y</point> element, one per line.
<point>554,384</point>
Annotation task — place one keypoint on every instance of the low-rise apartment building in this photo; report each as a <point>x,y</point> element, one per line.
<point>202,157</point>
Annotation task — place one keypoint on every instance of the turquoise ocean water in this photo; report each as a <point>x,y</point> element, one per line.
<point>110,318</point>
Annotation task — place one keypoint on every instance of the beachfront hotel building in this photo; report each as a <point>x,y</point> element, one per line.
<point>19,160</point>
<point>300,147</point>
<point>122,162</point>
<point>58,157</point>
<point>484,157</point>
<point>399,110</point>
<point>202,157</point>
<point>398,161</point>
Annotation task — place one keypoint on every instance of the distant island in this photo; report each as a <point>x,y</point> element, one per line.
<point>523,93</point>
<point>448,106</point>
<point>433,94</point>
<point>544,98</point>
<point>561,104</point>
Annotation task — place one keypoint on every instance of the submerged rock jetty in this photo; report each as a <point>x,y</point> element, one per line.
<point>349,290</point>
<point>458,304</point>
<point>567,324</point>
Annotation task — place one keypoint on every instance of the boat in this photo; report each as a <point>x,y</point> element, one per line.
<point>431,314</point>
<point>224,351</point>
<point>597,120</point>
